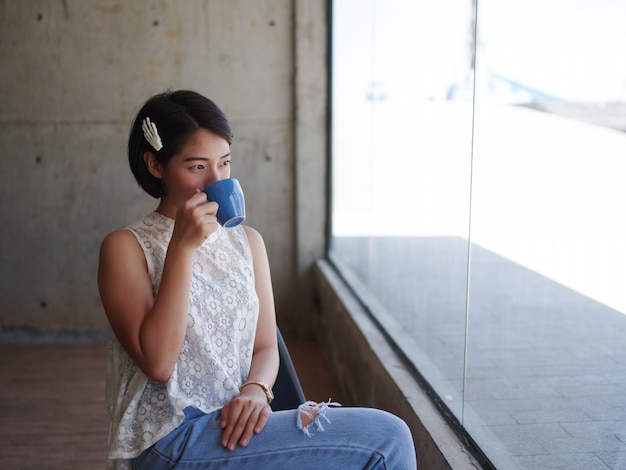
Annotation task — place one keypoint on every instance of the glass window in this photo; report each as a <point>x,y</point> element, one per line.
<point>479,210</point>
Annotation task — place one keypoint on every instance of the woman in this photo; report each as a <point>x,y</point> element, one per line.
<point>193,352</point>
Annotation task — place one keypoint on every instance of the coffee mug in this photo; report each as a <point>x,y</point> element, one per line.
<point>229,195</point>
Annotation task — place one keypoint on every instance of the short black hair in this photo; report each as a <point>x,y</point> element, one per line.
<point>177,115</point>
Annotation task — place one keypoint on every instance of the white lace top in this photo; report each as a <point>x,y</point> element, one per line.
<point>217,350</point>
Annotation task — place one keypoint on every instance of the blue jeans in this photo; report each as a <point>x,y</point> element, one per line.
<point>354,438</point>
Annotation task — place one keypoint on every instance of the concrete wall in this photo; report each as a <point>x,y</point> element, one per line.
<point>72,75</point>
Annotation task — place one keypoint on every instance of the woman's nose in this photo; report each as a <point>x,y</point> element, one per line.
<point>213,178</point>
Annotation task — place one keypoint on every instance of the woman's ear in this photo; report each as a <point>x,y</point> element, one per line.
<point>152,164</point>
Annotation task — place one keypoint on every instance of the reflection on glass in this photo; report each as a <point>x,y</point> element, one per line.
<point>401,145</point>
<point>546,373</point>
<point>529,118</point>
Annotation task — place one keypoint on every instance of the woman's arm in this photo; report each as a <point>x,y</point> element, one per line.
<point>248,413</point>
<point>152,329</point>
<point>264,367</point>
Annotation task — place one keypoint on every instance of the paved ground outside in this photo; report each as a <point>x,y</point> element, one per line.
<point>542,381</point>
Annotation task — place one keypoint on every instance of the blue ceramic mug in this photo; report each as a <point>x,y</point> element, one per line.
<point>229,195</point>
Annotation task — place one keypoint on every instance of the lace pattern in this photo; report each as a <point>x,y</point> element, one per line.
<point>217,350</point>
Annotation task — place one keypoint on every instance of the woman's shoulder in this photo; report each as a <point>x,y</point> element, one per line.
<point>150,224</point>
<point>251,232</point>
<point>126,239</point>
<point>255,241</point>
<point>118,241</point>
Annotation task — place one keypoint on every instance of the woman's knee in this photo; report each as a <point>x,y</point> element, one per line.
<point>385,433</point>
<point>396,440</point>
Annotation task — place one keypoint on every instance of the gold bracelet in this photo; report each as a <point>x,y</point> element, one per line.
<point>266,389</point>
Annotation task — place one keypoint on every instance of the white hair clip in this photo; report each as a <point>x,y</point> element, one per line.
<point>151,134</point>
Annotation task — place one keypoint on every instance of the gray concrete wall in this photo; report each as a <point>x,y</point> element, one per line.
<point>72,75</point>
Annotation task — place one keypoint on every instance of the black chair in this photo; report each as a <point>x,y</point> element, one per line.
<point>287,389</point>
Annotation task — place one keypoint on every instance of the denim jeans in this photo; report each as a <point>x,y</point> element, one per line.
<point>353,438</point>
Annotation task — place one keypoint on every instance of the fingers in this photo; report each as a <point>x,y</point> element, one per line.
<point>196,220</point>
<point>204,212</point>
<point>241,419</point>
<point>198,204</point>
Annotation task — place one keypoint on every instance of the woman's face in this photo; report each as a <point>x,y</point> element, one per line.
<point>203,160</point>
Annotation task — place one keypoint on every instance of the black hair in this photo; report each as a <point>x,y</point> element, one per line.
<point>177,115</point>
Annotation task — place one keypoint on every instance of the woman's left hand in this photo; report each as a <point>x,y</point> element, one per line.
<point>243,417</point>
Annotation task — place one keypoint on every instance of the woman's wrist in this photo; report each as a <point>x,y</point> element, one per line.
<point>256,388</point>
<point>180,250</point>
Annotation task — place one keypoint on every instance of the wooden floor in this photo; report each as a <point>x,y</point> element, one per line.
<point>52,412</point>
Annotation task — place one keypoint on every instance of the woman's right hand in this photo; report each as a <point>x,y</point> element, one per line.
<point>195,221</point>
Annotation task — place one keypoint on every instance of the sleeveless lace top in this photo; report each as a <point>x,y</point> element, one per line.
<point>217,351</point>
